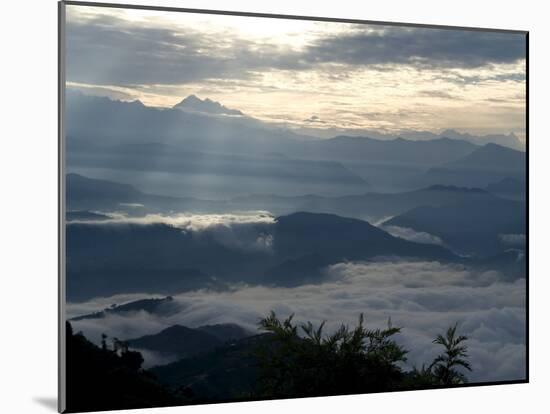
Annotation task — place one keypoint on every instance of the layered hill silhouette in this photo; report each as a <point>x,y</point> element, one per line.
<point>105,259</point>
<point>399,150</point>
<point>509,187</point>
<point>369,206</point>
<point>200,140</point>
<point>96,194</point>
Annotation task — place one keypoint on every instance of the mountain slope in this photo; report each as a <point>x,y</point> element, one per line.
<point>106,259</point>
<point>226,373</point>
<point>471,228</point>
<point>84,194</point>
<point>483,166</point>
<point>310,242</point>
<point>82,188</point>
<point>226,331</point>
<point>178,341</point>
<point>492,157</point>
<point>101,379</point>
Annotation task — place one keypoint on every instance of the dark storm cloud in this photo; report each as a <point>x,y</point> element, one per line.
<point>110,50</point>
<point>435,48</point>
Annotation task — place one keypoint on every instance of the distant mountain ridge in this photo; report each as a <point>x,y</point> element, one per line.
<point>369,206</point>
<point>193,103</point>
<point>173,149</point>
<point>84,194</point>
<point>429,152</point>
<point>200,133</point>
<point>511,140</point>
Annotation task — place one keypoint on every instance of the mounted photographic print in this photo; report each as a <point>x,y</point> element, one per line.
<point>262,207</point>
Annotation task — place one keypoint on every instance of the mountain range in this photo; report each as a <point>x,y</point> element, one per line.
<point>172,150</point>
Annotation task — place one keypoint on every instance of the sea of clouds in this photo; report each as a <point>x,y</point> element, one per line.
<point>422,297</point>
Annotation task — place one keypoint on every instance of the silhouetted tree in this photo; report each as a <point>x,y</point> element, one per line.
<point>103,342</point>
<point>444,367</point>
<point>348,361</point>
<point>444,370</point>
<point>120,347</point>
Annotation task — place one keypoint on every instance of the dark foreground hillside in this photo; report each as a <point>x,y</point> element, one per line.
<point>110,379</point>
<point>287,361</point>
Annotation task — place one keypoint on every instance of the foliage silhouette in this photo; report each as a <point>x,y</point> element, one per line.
<point>108,379</point>
<point>348,361</point>
<point>301,361</point>
<point>444,366</point>
<point>288,360</point>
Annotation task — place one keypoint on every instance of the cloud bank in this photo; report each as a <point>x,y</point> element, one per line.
<point>422,297</point>
<point>413,235</point>
<point>516,240</point>
<point>247,230</point>
<point>155,53</point>
<point>191,221</point>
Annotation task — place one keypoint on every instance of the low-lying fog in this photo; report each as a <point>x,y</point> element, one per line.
<point>422,297</point>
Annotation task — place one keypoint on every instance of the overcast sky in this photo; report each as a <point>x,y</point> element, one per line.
<point>304,73</point>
